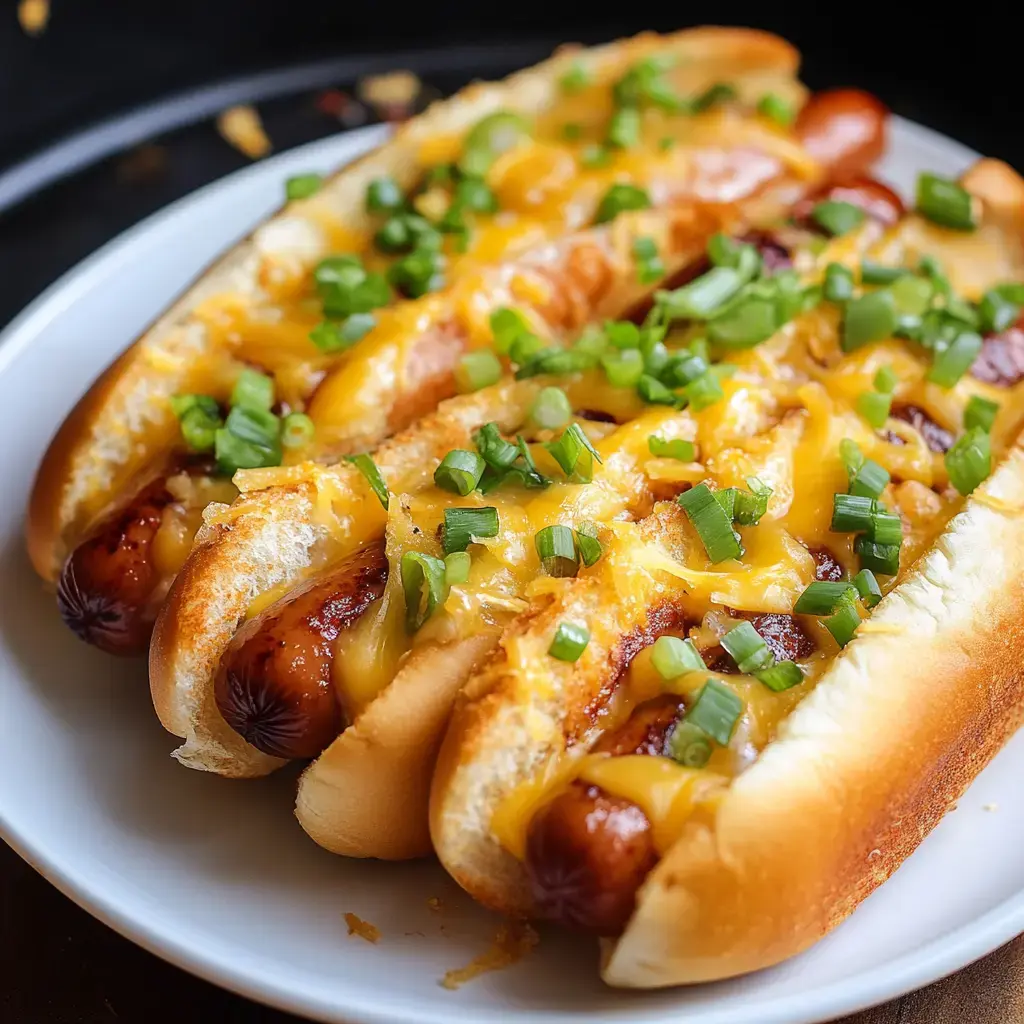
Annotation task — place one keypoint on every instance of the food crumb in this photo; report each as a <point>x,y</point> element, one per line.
<point>392,95</point>
<point>33,16</point>
<point>436,904</point>
<point>365,930</point>
<point>243,129</point>
<point>513,941</point>
<point>990,807</point>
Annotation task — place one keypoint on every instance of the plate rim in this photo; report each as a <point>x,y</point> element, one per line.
<point>913,970</point>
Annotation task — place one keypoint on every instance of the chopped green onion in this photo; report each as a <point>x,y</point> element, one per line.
<point>493,448</point>
<point>945,202</point>
<point>249,439</point>
<point>689,745</point>
<point>622,334</point>
<point>456,567</point>
<point>838,285</point>
<point>684,451</point>
<point>417,273</point>
<point>869,480</point>
<point>574,454</point>
<point>711,522</point>
<point>837,217</point>
<point>703,295</point>
<point>253,389</point>
<point>868,588</point>
<point>624,128</point>
<point>750,506</point>
<point>912,296</point>
<point>822,597</point>
<point>491,136</point>
<point>883,558</point>
<point>476,195</point>
<point>425,586</point>
<point>886,528</point>
<point>619,199</point>
<point>684,368</point>
<point>199,419</point>
<point>724,251</point>
<point>783,675</point>
<point>459,471</point>
<point>980,412</point>
<point>886,380</point>
<point>843,623</point>
<point>720,92</point>
<point>556,549</point>
<point>587,544</point>
<point>551,360</point>
<point>592,341</point>
<point>652,391</point>
<point>997,312</point>
<point>747,648</point>
<point>715,711</point>
<point>576,79</point>
<point>524,348</point>
<point>346,287</point>
<point>650,266</point>
<point>872,317</point>
<point>705,390</point>
<point>331,336</point>
<point>383,195</point>
<point>365,464</point>
<point>462,526</point>
<point>878,273</point>
<point>623,369</point>
<point>874,407</point>
<point>747,324</point>
<point>476,370</point>
<point>969,461</point>
<point>595,156</point>
<point>852,513</point>
<point>727,499</point>
<point>507,325</point>
<point>551,409</point>
<point>673,657</point>
<point>570,641</point>
<point>302,186</point>
<point>776,109</point>
<point>851,455</point>
<point>952,362</point>
<point>1012,291</point>
<point>932,269</point>
<point>297,429</point>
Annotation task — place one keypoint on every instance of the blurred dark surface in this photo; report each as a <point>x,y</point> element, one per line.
<point>99,59</point>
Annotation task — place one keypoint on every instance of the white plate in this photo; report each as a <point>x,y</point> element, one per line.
<point>217,877</point>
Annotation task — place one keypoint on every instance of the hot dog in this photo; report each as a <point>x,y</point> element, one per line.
<point>656,785</point>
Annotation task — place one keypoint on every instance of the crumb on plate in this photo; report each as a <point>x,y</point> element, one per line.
<point>243,129</point>
<point>365,930</point>
<point>33,16</point>
<point>436,904</point>
<point>513,941</point>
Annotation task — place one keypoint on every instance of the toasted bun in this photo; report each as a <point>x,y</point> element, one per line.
<point>125,423</point>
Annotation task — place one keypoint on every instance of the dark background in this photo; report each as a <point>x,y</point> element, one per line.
<point>959,73</point>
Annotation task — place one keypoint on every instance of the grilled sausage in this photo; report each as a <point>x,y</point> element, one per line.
<point>274,684</point>
<point>937,438</point>
<point>843,129</point>
<point>878,201</point>
<point>1001,359</point>
<point>587,852</point>
<point>106,588</point>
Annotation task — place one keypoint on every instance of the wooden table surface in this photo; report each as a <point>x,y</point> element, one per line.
<point>60,966</point>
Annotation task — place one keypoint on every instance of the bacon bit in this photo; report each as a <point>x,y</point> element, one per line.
<point>513,941</point>
<point>365,930</point>
<point>436,904</point>
<point>34,16</point>
<point>242,128</point>
<point>392,95</point>
<point>339,105</point>
<point>143,165</point>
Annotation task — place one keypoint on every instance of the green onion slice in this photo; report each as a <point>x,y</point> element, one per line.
<point>852,513</point>
<point>822,597</point>
<point>951,363</point>
<point>783,675</point>
<point>749,506</point>
<point>837,217</point>
<point>980,412</point>
<point>874,406</point>
<point>551,409</point>
<point>253,389</point>
<point>945,202</point>
<point>886,380</point>
<point>883,558</point>
<point>871,317</point>
<point>569,642</point>
<point>776,109</point>
<point>684,451</point>
<point>746,324</point>
<point>716,711</point>
<point>297,430</point>
<point>302,186</point>
<point>843,623</point>
<point>199,419</point>
<point>464,526</point>
<point>556,549</point>
<point>587,544</point>
<point>620,199</point>
<point>507,325</point>
<point>623,369</point>
<point>969,461</point>
<point>456,567</point>
<point>673,657</point>
<point>711,522</point>
<point>878,273</point>
<point>424,585</point>
<point>868,588</point>
<point>384,195</point>
<point>459,471</point>
<point>365,464</point>
<point>870,479</point>
<point>574,454</point>
<point>249,439</point>
<point>689,745</point>
<point>886,528</point>
<point>997,312</point>
<point>703,295</point>
<point>493,448</point>
<point>624,128</point>
<point>476,370</point>
<point>747,648</point>
<point>705,390</point>
<point>838,285</point>
<point>576,79</point>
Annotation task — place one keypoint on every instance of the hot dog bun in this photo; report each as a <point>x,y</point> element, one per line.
<point>124,424</point>
<point>899,724</point>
